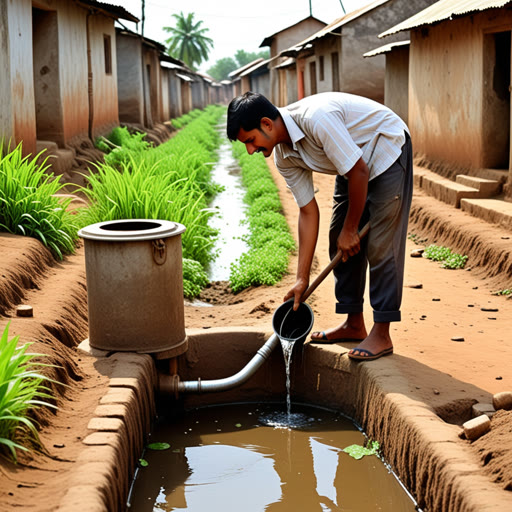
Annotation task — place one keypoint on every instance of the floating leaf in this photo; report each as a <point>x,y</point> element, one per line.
<point>143,462</point>
<point>358,452</point>
<point>159,446</point>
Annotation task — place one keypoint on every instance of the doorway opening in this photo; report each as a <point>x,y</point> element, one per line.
<point>45,51</point>
<point>496,104</point>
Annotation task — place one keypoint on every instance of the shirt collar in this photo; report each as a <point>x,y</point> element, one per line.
<point>294,131</point>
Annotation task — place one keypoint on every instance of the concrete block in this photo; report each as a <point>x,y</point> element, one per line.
<point>502,400</point>
<point>477,427</point>
<point>486,187</point>
<point>493,211</point>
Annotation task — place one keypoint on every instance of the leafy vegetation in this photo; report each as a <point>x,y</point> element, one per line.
<point>21,390</point>
<point>269,241</point>
<point>169,182</point>
<point>445,255</point>
<point>29,206</point>
<point>188,41</point>
<point>504,291</point>
<point>358,452</point>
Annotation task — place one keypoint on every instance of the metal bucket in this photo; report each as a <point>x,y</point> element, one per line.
<point>135,286</point>
<point>293,326</point>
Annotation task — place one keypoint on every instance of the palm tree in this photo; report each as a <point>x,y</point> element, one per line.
<point>188,42</point>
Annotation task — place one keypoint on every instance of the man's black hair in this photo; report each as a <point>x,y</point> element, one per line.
<point>246,111</point>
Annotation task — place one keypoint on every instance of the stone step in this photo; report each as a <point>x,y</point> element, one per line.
<point>50,147</point>
<point>445,190</point>
<point>486,187</point>
<point>490,210</point>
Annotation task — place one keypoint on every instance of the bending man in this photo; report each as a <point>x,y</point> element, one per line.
<point>368,149</point>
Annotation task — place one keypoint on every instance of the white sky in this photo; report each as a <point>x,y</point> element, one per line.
<point>233,24</point>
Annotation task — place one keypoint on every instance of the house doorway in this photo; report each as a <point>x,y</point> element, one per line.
<point>45,51</point>
<point>496,104</point>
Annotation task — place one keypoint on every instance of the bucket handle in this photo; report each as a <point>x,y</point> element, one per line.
<point>312,287</point>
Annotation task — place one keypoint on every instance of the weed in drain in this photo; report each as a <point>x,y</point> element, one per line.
<point>358,452</point>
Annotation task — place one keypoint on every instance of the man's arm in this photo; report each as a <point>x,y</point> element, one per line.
<point>348,239</point>
<point>309,217</point>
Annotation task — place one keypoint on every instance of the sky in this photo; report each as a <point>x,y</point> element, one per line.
<point>233,24</point>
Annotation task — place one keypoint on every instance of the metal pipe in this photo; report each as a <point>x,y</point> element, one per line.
<point>210,386</point>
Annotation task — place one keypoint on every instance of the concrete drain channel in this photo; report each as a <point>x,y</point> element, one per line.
<point>425,452</point>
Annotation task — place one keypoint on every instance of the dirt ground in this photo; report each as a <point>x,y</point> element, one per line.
<point>452,325</point>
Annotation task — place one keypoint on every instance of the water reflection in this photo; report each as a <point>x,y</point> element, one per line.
<point>227,459</point>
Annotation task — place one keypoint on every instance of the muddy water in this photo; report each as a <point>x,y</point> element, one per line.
<point>230,208</point>
<point>244,458</point>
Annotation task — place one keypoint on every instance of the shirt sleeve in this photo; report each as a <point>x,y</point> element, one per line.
<point>331,133</point>
<point>298,179</point>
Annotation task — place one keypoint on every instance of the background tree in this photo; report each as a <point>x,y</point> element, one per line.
<point>188,41</point>
<point>221,69</point>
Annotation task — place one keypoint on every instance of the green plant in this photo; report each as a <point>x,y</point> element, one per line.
<point>358,452</point>
<point>269,239</point>
<point>445,255</point>
<point>504,291</point>
<point>169,182</point>
<point>21,390</point>
<point>194,278</point>
<point>29,205</point>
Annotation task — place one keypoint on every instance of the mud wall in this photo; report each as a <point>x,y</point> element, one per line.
<point>451,123</point>
<point>130,85</point>
<point>396,83</point>
<point>102,37</point>
<point>21,88</point>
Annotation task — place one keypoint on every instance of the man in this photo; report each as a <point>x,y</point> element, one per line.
<point>368,148</point>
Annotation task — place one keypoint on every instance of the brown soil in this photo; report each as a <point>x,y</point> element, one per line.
<point>438,305</point>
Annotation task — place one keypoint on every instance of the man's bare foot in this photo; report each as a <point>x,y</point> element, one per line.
<point>377,344</point>
<point>353,329</point>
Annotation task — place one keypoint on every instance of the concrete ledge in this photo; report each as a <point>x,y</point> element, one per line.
<point>490,210</point>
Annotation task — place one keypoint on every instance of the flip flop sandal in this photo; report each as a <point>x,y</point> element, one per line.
<point>370,356</point>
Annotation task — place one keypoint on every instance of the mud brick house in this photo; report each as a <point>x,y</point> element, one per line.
<point>279,42</point>
<point>177,93</point>
<point>257,78</point>
<point>396,76</point>
<point>58,85</point>
<point>459,86</point>
<point>152,86</point>
<point>332,59</point>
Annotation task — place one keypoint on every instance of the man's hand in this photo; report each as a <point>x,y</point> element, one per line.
<point>296,292</point>
<point>348,243</point>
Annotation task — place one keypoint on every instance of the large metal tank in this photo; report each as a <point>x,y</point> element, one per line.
<point>135,286</point>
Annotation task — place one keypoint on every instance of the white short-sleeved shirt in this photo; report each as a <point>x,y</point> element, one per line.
<point>330,132</point>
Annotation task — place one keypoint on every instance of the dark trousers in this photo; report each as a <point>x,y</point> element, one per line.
<point>387,208</point>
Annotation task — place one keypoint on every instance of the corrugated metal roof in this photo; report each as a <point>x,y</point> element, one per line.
<point>444,10</point>
<point>386,48</point>
<point>237,72</point>
<point>117,11</point>
<point>254,68</point>
<point>268,40</point>
<point>337,23</point>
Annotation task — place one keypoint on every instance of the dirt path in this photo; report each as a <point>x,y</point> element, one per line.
<point>439,371</point>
